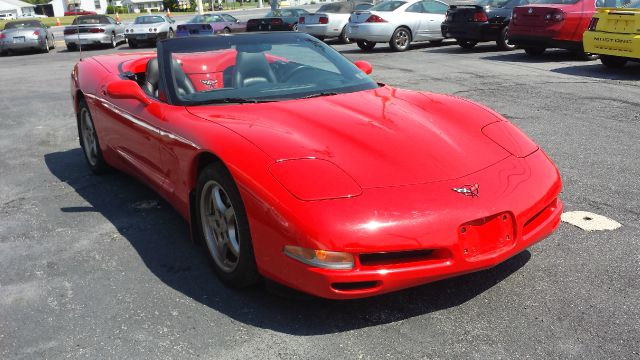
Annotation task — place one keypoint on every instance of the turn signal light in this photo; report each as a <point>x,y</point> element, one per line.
<point>324,20</point>
<point>320,258</point>
<point>2,36</point>
<point>276,22</point>
<point>375,19</point>
<point>301,20</point>
<point>36,33</point>
<point>70,31</point>
<point>96,30</point>
<point>555,16</point>
<point>593,23</point>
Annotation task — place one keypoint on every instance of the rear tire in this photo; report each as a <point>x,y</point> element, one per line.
<point>612,61</point>
<point>114,42</point>
<point>401,39</point>
<point>89,140</point>
<point>45,47</point>
<point>343,36</point>
<point>467,44</point>
<point>72,47</point>
<point>503,40</point>
<point>365,45</point>
<point>224,228</point>
<point>534,51</point>
<point>226,31</point>
<point>585,56</point>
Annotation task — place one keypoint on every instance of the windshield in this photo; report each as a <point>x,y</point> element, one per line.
<point>207,18</point>
<point>281,13</point>
<point>387,6</point>
<point>22,24</point>
<point>90,20</point>
<point>334,8</point>
<point>257,67</point>
<point>633,5</point>
<point>560,2</point>
<point>492,3</point>
<point>148,20</point>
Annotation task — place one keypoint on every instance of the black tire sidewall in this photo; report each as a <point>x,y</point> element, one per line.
<point>100,166</point>
<point>246,272</point>
<point>392,43</point>
<point>365,45</point>
<point>502,41</point>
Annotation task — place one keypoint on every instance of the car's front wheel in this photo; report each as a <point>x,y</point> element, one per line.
<point>401,39</point>
<point>133,43</point>
<point>89,140</point>
<point>365,45</point>
<point>503,40</point>
<point>72,47</point>
<point>612,61</point>
<point>224,228</point>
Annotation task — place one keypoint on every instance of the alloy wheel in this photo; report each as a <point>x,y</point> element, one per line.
<point>89,141</point>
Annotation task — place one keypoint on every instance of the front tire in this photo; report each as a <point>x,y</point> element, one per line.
<point>366,45</point>
<point>612,61</point>
<point>224,227</point>
<point>343,36</point>
<point>534,51</point>
<point>133,43</point>
<point>401,39</point>
<point>89,140</point>
<point>72,47</point>
<point>503,40</point>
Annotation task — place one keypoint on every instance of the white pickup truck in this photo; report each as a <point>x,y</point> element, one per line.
<point>331,19</point>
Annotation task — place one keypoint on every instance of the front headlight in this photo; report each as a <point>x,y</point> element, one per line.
<point>320,258</point>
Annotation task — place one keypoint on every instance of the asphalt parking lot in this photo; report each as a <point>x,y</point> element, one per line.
<point>102,268</point>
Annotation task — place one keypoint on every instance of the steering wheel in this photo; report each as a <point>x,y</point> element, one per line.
<point>296,71</point>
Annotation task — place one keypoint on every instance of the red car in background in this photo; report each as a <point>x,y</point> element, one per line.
<point>75,12</point>
<point>551,24</point>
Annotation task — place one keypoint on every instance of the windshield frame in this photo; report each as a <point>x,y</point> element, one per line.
<point>167,48</point>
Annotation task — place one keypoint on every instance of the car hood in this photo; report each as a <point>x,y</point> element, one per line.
<point>381,137</point>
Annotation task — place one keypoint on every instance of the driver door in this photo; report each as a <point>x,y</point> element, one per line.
<point>434,14</point>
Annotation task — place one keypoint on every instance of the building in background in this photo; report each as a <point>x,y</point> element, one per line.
<point>60,6</point>
<point>17,8</point>
<point>143,6</point>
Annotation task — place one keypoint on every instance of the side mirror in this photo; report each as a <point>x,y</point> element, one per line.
<point>365,66</point>
<point>127,89</point>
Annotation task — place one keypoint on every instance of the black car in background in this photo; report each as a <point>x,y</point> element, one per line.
<point>487,20</point>
<point>277,20</point>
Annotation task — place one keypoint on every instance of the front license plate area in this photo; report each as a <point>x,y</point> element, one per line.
<point>488,236</point>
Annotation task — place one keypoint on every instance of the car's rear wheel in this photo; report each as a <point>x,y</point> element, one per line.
<point>343,36</point>
<point>133,43</point>
<point>503,40</point>
<point>467,44</point>
<point>365,45</point>
<point>171,34</point>
<point>401,39</point>
<point>89,140</point>
<point>114,42</point>
<point>226,30</point>
<point>612,61</point>
<point>585,56</point>
<point>294,27</point>
<point>534,51</point>
<point>45,45</point>
<point>224,228</point>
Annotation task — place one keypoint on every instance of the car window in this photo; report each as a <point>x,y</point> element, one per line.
<point>434,7</point>
<point>416,8</point>
<point>228,17</point>
<point>91,20</point>
<point>148,20</point>
<point>632,4</point>
<point>335,8</point>
<point>363,6</point>
<point>22,24</point>
<point>387,5</point>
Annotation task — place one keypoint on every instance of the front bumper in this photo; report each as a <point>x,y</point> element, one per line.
<point>88,39</point>
<point>620,45</point>
<point>374,32</point>
<point>145,36</point>
<point>473,31</point>
<point>319,30</point>
<point>517,206</point>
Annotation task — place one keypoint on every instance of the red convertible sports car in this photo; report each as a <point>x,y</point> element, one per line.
<point>290,163</point>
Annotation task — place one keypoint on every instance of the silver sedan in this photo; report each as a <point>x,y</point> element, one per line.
<point>150,28</point>
<point>398,23</point>
<point>93,30</point>
<point>26,34</point>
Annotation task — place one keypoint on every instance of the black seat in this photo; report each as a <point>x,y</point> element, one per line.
<point>252,69</point>
<point>152,79</point>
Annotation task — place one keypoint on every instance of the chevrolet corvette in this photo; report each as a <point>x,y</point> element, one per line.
<point>290,163</point>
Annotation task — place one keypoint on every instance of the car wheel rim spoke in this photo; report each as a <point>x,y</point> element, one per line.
<point>219,224</point>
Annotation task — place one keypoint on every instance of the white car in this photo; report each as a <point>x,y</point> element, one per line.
<point>150,29</point>
<point>34,15</point>
<point>7,16</point>
<point>398,23</point>
<point>331,19</point>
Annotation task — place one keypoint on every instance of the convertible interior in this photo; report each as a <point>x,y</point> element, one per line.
<point>199,75</point>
